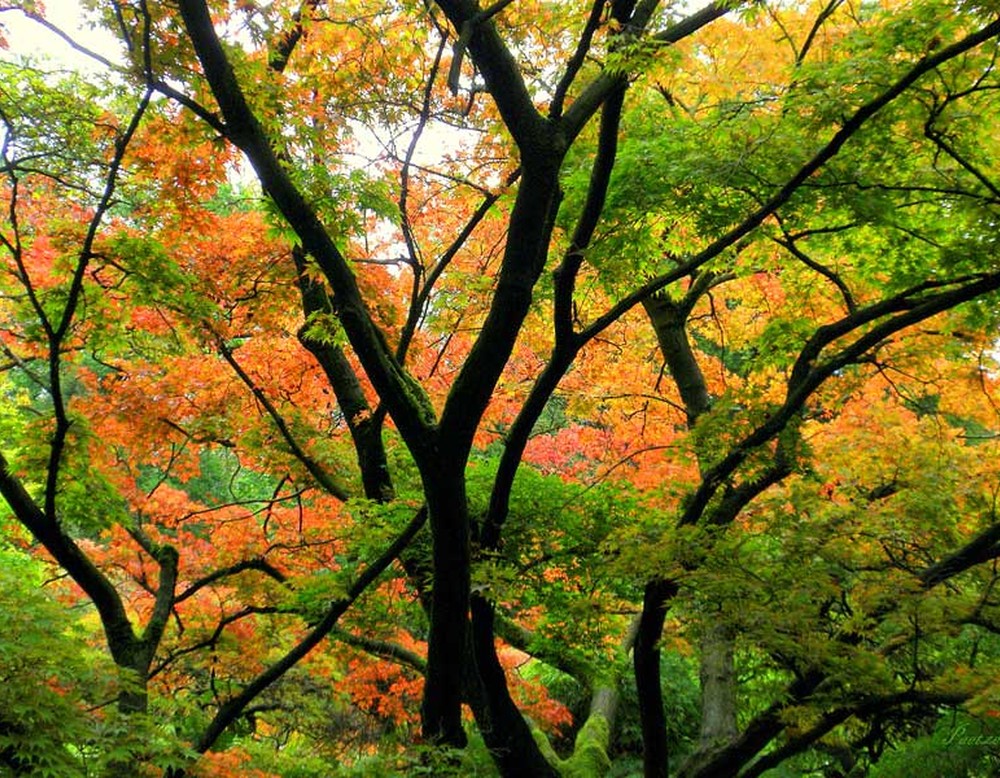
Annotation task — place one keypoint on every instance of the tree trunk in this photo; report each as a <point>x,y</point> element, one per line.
<point>718,688</point>
<point>446,645</point>
<point>646,663</point>
<point>135,697</point>
<point>442,469</point>
<point>501,724</point>
<point>718,676</point>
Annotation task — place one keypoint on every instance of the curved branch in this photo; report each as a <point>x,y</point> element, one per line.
<point>57,334</point>
<point>832,147</point>
<point>982,548</point>
<point>449,253</point>
<point>910,307</point>
<point>67,553</point>
<point>413,250</point>
<point>404,398</point>
<point>576,61</point>
<point>382,649</point>
<point>566,346</point>
<point>259,564</point>
<point>788,242</point>
<point>286,41</point>
<point>65,36</point>
<point>212,640</point>
<point>327,480</point>
<point>831,719</point>
<point>595,93</point>
<point>234,707</point>
<point>498,67</point>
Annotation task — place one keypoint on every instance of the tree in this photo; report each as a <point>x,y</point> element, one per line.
<point>804,225</point>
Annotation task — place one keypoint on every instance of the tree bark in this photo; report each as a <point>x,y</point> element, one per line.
<point>503,728</point>
<point>133,653</point>
<point>718,687</point>
<point>446,647</point>
<point>364,424</point>
<point>484,684</point>
<point>669,322</point>
<point>718,675</point>
<point>646,664</point>
<point>442,471</point>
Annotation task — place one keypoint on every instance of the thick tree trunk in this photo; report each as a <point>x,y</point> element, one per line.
<point>718,676</point>
<point>718,688</point>
<point>446,646</point>
<point>502,727</point>
<point>442,470</point>
<point>135,697</point>
<point>646,663</point>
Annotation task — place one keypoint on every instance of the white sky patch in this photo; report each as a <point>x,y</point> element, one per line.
<point>27,37</point>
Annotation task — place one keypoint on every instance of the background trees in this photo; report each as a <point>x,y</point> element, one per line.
<point>675,331</point>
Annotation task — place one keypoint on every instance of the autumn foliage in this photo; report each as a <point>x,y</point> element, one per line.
<point>538,389</point>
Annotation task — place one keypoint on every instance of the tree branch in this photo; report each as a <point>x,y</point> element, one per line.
<point>330,483</point>
<point>233,708</point>
<point>829,150</point>
<point>405,399</point>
